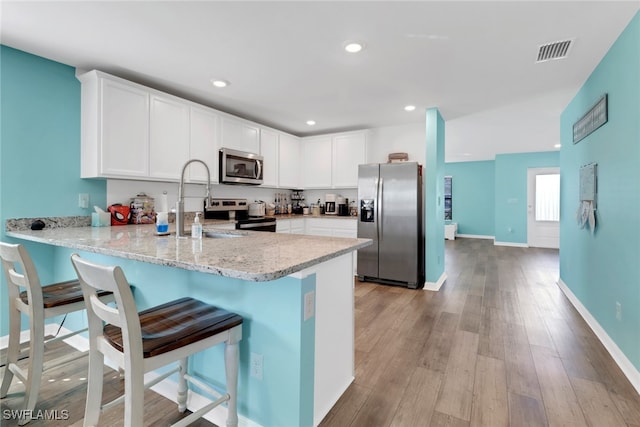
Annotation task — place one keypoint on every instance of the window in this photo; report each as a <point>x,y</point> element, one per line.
<point>548,197</point>
<point>448,192</point>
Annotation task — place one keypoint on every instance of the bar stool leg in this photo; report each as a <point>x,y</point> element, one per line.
<point>36,359</point>
<point>231,360</point>
<point>94,389</point>
<point>13,350</point>
<point>182,385</point>
<point>134,391</point>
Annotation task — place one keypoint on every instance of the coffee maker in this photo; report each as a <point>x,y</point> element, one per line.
<point>343,206</point>
<point>330,204</point>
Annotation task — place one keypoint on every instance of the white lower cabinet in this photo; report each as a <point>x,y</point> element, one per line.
<point>296,226</point>
<point>283,226</point>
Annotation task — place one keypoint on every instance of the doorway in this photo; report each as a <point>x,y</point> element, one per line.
<point>543,207</point>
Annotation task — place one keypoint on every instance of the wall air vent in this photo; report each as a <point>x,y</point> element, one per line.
<point>555,50</point>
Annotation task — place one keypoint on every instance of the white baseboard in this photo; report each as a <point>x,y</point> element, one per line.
<point>475,236</point>
<point>629,370</point>
<point>435,286</point>
<point>166,388</point>
<point>512,244</point>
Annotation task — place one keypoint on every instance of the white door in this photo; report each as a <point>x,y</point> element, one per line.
<point>543,208</point>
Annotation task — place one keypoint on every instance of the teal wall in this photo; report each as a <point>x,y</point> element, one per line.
<point>604,268</point>
<point>39,149</point>
<point>434,196</point>
<point>511,193</point>
<point>473,196</point>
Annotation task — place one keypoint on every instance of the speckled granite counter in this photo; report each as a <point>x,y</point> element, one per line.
<point>256,256</point>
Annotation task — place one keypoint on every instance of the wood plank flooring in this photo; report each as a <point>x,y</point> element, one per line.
<point>63,393</point>
<point>498,345</point>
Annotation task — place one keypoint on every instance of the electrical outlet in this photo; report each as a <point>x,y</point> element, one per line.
<point>618,311</point>
<point>309,305</point>
<point>83,200</point>
<point>256,365</point>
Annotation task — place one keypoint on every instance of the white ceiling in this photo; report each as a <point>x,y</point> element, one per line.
<point>474,60</point>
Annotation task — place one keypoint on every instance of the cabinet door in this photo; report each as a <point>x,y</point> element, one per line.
<point>204,144</point>
<point>348,153</point>
<point>297,226</point>
<point>317,162</point>
<point>169,137</point>
<point>240,135</point>
<point>269,150</point>
<point>318,227</point>
<point>283,226</point>
<point>289,162</point>
<point>124,130</point>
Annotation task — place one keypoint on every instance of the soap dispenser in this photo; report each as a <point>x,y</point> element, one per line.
<point>196,227</point>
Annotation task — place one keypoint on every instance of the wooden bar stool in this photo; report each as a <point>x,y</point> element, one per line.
<point>39,303</point>
<point>145,341</point>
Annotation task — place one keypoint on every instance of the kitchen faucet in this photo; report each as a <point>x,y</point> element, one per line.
<point>180,204</point>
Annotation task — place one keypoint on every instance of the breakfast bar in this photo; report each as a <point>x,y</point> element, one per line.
<point>295,293</point>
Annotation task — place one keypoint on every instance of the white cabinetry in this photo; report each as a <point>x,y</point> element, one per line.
<point>331,161</point>
<point>204,143</point>
<point>115,128</point>
<point>317,162</point>
<point>332,227</point>
<point>130,131</point>
<point>349,151</point>
<point>269,148</point>
<point>283,226</point>
<point>296,226</point>
<point>240,135</point>
<point>289,161</point>
<point>168,137</point>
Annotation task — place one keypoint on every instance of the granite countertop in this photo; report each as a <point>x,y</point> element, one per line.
<point>256,256</point>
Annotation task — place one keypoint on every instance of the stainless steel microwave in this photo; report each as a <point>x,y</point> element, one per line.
<point>239,167</point>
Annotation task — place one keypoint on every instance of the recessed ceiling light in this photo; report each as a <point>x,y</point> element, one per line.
<point>410,108</point>
<point>219,83</point>
<point>353,47</point>
<point>558,145</point>
<point>311,122</point>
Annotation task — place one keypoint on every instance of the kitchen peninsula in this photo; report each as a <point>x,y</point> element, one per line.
<point>301,350</point>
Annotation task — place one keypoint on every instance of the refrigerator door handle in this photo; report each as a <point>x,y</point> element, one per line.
<point>380,212</point>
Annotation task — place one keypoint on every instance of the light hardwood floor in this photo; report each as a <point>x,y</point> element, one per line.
<point>498,345</point>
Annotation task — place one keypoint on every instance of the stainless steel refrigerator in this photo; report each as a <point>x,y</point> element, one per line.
<point>390,211</point>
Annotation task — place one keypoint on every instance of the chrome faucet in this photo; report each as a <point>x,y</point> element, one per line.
<point>180,204</point>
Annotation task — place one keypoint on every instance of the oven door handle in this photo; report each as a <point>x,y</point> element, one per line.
<point>257,224</point>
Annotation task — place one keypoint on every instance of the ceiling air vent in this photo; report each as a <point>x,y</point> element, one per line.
<point>555,50</point>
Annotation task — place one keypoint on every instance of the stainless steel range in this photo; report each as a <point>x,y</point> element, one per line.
<point>238,210</point>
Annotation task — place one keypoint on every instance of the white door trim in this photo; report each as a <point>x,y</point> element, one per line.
<point>533,228</point>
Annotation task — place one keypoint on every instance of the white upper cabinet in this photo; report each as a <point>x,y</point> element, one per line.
<point>115,128</point>
<point>269,147</point>
<point>289,162</point>
<point>204,144</point>
<point>168,137</point>
<point>349,151</point>
<point>331,161</point>
<point>240,135</point>
<point>316,153</point>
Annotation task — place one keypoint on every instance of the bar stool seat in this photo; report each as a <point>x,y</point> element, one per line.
<point>39,303</point>
<point>62,294</point>
<point>176,324</point>
<point>142,342</point>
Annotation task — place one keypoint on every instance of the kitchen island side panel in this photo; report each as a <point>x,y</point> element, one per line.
<point>273,327</point>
